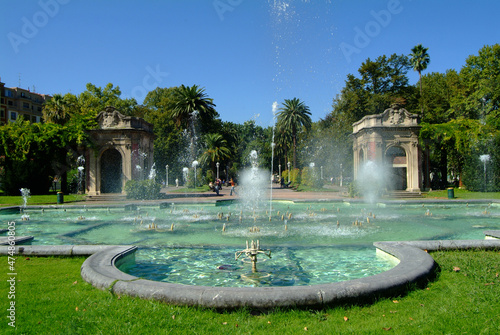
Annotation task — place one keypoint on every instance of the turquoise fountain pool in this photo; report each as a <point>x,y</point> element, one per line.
<point>311,243</point>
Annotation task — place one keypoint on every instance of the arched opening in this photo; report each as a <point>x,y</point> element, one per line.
<point>111,171</point>
<point>396,159</point>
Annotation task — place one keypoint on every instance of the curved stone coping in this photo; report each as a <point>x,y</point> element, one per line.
<point>56,250</point>
<point>492,234</point>
<point>4,240</point>
<point>415,266</point>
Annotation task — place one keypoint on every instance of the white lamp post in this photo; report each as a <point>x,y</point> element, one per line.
<point>279,169</point>
<point>217,164</point>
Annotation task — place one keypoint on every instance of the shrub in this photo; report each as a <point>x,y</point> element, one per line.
<point>142,190</point>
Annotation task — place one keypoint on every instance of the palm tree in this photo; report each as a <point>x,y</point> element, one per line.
<point>292,116</point>
<point>216,150</point>
<point>189,101</point>
<point>419,59</point>
<point>56,110</point>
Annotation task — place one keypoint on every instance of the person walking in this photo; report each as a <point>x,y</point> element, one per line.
<point>231,182</point>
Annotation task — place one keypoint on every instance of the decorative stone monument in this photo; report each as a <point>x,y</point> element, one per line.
<point>122,150</point>
<point>390,139</point>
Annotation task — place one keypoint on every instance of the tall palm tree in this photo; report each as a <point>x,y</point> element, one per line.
<point>292,116</point>
<point>188,101</point>
<point>419,59</point>
<point>216,150</point>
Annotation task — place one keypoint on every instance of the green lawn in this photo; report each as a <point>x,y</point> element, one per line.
<point>52,298</point>
<point>462,194</point>
<point>49,199</point>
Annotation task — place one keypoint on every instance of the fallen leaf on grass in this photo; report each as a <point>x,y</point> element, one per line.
<point>395,301</point>
<point>456,269</point>
<point>173,317</point>
<point>411,319</point>
<point>224,323</point>
<point>75,282</point>
<point>76,309</point>
<point>269,322</point>
<point>388,328</point>
<point>305,328</point>
<point>489,284</point>
<point>346,318</point>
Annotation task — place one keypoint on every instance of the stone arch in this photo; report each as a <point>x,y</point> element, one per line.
<point>397,161</point>
<point>111,160</point>
<point>111,171</point>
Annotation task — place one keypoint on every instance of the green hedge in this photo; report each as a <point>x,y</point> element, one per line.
<point>143,189</point>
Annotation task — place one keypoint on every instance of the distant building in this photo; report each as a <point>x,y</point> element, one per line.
<point>18,102</point>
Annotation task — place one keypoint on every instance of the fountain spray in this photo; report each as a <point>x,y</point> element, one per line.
<point>274,109</point>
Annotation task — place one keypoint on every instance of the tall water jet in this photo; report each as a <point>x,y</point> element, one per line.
<point>152,173</point>
<point>253,183</point>
<point>372,180</point>
<point>485,159</point>
<point>26,194</point>
<point>81,168</point>
<point>195,166</point>
<point>185,175</point>
<point>274,109</point>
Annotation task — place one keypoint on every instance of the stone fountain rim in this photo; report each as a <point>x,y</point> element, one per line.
<point>416,267</point>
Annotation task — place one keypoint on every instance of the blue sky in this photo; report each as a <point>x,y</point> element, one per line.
<point>245,53</point>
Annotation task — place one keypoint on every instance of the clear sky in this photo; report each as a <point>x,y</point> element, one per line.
<point>245,53</point>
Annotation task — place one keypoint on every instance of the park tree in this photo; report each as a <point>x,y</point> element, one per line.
<point>35,152</point>
<point>380,83</point>
<point>419,59</point>
<point>191,104</point>
<point>455,144</point>
<point>480,78</point>
<point>59,108</point>
<point>442,89</point>
<point>169,140</point>
<point>215,150</point>
<point>95,99</point>
<point>294,116</point>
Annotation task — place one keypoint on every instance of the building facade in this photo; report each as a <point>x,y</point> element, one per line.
<point>20,103</point>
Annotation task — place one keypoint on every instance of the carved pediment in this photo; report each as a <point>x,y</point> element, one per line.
<point>110,118</point>
<point>396,115</point>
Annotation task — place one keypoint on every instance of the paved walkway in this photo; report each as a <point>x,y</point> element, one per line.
<point>224,194</point>
<point>171,194</point>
